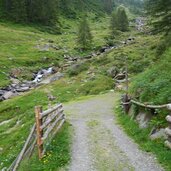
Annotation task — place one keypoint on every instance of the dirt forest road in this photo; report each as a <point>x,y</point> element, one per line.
<point>99,143</point>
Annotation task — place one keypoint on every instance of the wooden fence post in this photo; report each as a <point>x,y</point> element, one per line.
<point>126,103</point>
<point>38,111</point>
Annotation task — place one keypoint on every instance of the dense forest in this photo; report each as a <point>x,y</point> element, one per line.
<point>48,12</point>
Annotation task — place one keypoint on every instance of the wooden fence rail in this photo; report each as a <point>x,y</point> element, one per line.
<point>46,122</point>
<point>27,149</point>
<point>126,102</point>
<point>47,125</point>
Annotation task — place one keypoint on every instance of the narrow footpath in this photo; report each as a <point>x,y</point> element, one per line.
<point>99,143</point>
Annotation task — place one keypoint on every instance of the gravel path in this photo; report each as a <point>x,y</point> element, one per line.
<point>99,144</point>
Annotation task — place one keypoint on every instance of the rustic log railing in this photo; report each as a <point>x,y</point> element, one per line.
<point>47,125</point>
<point>47,122</point>
<point>126,102</point>
<point>26,151</point>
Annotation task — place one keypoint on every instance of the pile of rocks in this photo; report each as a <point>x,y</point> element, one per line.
<point>18,87</point>
<point>140,23</point>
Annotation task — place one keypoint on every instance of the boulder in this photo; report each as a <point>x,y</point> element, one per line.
<point>158,134</point>
<point>103,49</point>
<point>14,80</point>
<point>113,71</point>
<point>22,89</point>
<point>43,47</point>
<point>143,119</point>
<point>2,92</point>
<point>57,76</point>
<point>55,47</point>
<point>8,95</point>
<point>1,98</point>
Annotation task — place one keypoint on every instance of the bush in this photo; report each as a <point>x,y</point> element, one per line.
<point>163,45</point>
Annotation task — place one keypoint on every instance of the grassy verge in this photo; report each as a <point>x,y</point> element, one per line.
<point>141,136</point>
<point>57,155</point>
<point>17,114</point>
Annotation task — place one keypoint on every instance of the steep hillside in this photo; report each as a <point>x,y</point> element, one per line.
<point>25,50</point>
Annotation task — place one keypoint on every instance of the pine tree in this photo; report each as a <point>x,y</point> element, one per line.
<point>108,6</point>
<point>18,10</point>
<point>113,24</point>
<point>84,35</point>
<point>122,19</point>
<point>160,11</point>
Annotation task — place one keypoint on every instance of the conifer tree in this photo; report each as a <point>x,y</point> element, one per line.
<point>160,11</point>
<point>18,10</point>
<point>113,24</point>
<point>122,19</point>
<point>84,34</point>
<point>108,6</point>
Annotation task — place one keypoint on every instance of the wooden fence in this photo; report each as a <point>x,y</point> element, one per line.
<point>126,102</point>
<point>47,125</point>
<point>47,122</point>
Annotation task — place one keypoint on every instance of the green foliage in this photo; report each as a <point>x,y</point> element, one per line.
<point>154,84</point>
<point>159,121</point>
<point>108,6</point>
<point>163,45</point>
<point>141,136</point>
<point>119,21</point>
<point>160,11</point>
<point>84,35</point>
<point>37,11</point>
<point>113,24</point>
<point>122,19</point>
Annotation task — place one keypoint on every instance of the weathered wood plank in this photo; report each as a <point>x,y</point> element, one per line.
<point>56,130</point>
<point>52,127</point>
<point>47,112</point>
<point>50,119</point>
<point>59,126</point>
<point>20,156</point>
<point>38,110</point>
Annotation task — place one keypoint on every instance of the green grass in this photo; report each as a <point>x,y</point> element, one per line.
<point>57,155</point>
<point>21,110</point>
<point>141,136</point>
<point>18,42</point>
<point>154,84</point>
